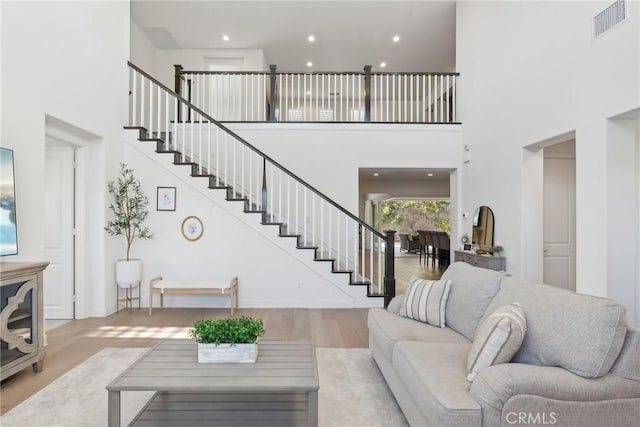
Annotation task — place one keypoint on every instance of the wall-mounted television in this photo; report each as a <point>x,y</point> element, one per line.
<point>8,224</point>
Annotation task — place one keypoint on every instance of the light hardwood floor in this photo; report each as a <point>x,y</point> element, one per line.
<point>72,343</point>
<point>407,266</point>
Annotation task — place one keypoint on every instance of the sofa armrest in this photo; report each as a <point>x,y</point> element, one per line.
<point>495,385</point>
<point>395,304</point>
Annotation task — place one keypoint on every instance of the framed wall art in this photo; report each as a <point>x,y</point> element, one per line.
<point>166,199</point>
<point>192,228</point>
<point>8,224</point>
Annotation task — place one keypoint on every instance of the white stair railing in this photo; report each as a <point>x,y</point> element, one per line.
<point>322,97</point>
<point>266,186</point>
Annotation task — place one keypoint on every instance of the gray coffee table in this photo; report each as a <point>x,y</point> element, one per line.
<point>280,389</point>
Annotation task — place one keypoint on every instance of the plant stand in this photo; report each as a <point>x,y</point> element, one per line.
<point>128,298</point>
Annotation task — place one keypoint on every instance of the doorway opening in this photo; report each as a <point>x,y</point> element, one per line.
<point>72,221</point>
<point>407,200</point>
<point>559,216</point>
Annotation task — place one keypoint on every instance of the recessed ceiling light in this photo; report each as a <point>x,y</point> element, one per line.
<point>311,38</point>
<point>225,38</point>
<point>383,64</point>
<point>396,38</point>
<point>429,174</point>
<point>309,64</point>
<point>308,92</point>
<point>376,174</point>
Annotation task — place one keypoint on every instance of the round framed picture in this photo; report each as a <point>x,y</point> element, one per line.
<point>192,228</point>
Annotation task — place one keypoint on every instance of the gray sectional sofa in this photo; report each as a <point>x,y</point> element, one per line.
<point>579,364</point>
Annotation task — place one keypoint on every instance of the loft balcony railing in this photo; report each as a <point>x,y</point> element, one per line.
<point>359,97</point>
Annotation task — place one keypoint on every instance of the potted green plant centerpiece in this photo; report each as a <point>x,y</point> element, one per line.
<point>231,339</point>
<point>129,208</point>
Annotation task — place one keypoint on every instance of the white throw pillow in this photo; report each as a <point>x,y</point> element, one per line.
<point>425,300</point>
<point>497,339</point>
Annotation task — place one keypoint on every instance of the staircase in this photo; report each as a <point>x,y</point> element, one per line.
<point>195,140</point>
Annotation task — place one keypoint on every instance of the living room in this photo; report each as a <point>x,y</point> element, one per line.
<point>520,90</point>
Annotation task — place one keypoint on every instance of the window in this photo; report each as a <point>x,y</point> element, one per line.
<point>356,116</point>
<point>326,116</point>
<point>294,115</point>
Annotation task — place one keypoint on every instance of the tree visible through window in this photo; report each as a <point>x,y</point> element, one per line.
<point>412,215</point>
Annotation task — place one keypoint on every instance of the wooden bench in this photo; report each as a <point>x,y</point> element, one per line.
<point>161,286</point>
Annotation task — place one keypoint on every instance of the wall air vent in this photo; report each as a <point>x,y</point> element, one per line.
<point>609,18</point>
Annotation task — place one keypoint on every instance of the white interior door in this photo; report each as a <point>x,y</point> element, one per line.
<point>59,213</point>
<point>559,222</point>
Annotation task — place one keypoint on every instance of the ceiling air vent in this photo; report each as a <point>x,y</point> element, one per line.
<point>609,18</point>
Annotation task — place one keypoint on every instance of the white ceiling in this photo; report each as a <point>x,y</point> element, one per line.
<point>404,183</point>
<point>349,34</point>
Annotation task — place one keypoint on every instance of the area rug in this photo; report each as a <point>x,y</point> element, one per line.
<point>352,393</point>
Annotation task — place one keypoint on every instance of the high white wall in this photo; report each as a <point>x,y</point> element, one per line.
<point>194,60</point>
<point>143,52</point>
<point>622,281</point>
<point>531,71</point>
<point>66,60</point>
<point>329,156</point>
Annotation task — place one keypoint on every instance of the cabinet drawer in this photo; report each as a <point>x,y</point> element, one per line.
<point>493,263</point>
<point>483,262</point>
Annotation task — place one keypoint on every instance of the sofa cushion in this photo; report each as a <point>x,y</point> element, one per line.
<point>425,300</point>
<point>386,329</point>
<point>628,363</point>
<point>581,333</point>
<point>498,338</point>
<point>435,376</point>
<point>472,289</point>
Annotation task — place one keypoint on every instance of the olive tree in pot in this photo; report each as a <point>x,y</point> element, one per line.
<point>129,208</point>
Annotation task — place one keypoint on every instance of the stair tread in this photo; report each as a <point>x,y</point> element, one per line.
<point>290,235</point>
<point>306,247</point>
<point>342,271</point>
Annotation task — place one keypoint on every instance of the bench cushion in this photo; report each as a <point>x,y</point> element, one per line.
<point>193,284</point>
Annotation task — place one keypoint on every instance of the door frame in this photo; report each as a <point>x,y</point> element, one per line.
<point>87,152</point>
<point>532,200</point>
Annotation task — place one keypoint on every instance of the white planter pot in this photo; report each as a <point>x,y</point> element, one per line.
<point>224,353</point>
<point>128,273</point>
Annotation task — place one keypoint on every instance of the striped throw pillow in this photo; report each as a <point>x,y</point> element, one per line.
<point>497,339</point>
<point>425,300</point>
